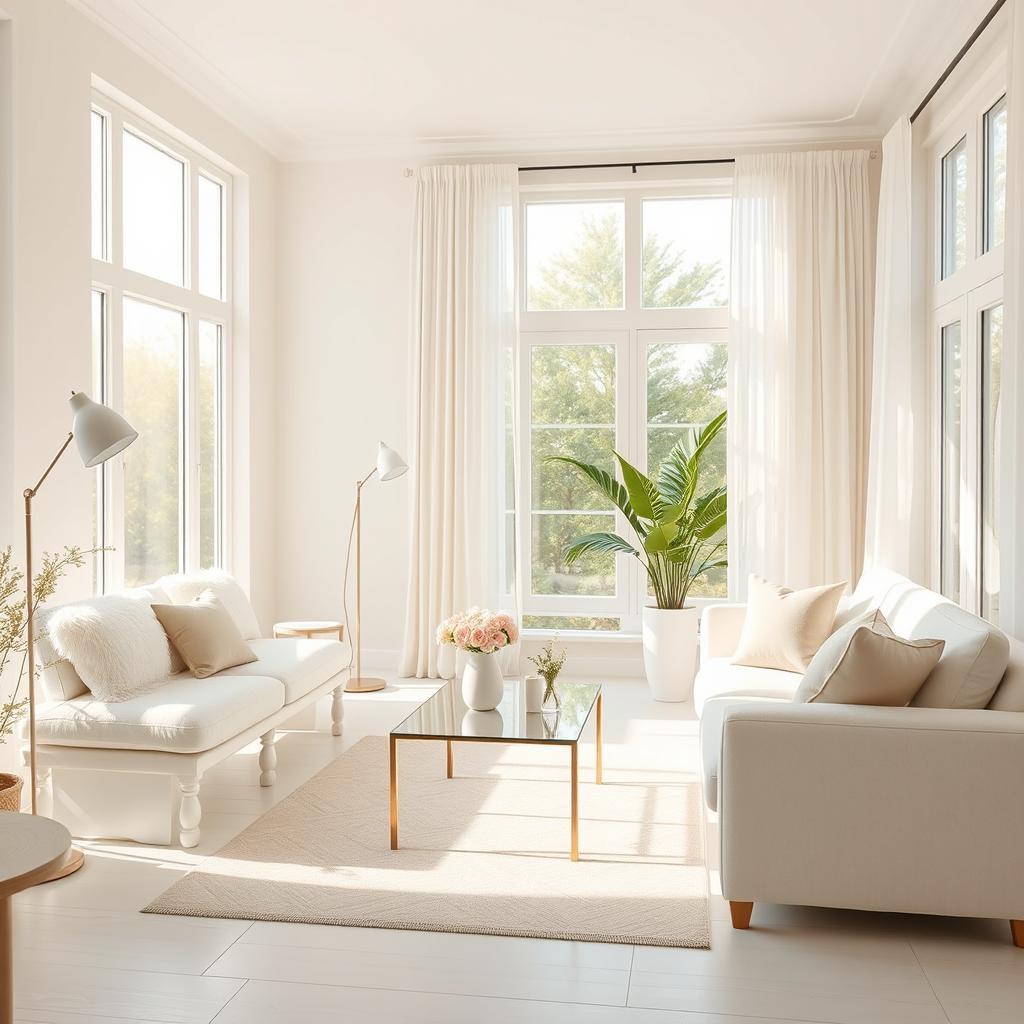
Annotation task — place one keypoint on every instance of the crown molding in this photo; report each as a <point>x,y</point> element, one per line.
<point>144,34</point>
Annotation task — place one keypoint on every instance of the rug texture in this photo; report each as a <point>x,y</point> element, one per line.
<point>486,852</point>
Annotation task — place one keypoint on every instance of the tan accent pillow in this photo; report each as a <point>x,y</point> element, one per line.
<point>865,662</point>
<point>204,634</point>
<point>784,628</point>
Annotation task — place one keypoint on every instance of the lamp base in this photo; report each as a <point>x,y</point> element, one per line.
<point>365,684</point>
<point>73,860</point>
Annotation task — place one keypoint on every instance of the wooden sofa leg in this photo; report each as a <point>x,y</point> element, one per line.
<point>740,912</point>
<point>337,710</point>
<point>1017,932</point>
<point>191,812</point>
<point>268,759</point>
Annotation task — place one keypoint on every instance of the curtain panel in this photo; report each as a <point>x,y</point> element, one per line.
<point>800,367</point>
<point>898,497</point>
<point>1011,403</point>
<point>463,352</point>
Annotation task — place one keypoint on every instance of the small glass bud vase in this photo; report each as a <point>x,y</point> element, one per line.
<point>552,703</point>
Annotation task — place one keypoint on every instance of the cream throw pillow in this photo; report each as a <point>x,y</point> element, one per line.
<point>784,628</point>
<point>866,663</point>
<point>204,634</point>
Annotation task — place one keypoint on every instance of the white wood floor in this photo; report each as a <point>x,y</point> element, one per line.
<point>85,955</point>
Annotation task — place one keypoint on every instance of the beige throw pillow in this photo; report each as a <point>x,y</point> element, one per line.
<point>784,628</point>
<point>204,634</point>
<point>866,663</point>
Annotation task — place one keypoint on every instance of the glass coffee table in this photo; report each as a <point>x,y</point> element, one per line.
<point>445,717</point>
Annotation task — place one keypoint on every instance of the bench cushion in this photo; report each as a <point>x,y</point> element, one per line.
<point>301,664</point>
<point>183,716</point>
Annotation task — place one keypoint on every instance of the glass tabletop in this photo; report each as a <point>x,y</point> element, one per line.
<point>445,716</point>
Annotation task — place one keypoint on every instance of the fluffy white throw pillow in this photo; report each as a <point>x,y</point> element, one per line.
<point>116,644</point>
<point>186,587</point>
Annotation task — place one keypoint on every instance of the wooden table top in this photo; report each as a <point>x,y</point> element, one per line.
<point>31,846</point>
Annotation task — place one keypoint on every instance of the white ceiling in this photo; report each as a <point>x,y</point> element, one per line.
<point>322,78</point>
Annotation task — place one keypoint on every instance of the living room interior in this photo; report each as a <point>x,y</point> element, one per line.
<point>623,403</point>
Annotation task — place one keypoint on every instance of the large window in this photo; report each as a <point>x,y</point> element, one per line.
<point>623,348</point>
<point>969,203</point>
<point>161,330</point>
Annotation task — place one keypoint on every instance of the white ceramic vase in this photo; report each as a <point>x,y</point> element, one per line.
<point>482,683</point>
<point>670,651</point>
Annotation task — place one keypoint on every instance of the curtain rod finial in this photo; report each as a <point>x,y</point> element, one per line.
<point>408,172</point>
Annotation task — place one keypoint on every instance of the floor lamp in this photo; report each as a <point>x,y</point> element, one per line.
<point>101,433</point>
<point>390,466</point>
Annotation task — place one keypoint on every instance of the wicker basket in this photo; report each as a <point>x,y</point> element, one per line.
<point>10,792</point>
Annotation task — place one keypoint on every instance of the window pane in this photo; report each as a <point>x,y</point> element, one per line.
<point>553,532</point>
<point>991,371</point>
<point>995,175</point>
<point>574,255</point>
<point>686,252</point>
<point>210,420</point>
<point>98,125</point>
<point>573,384</point>
<point>951,469</point>
<point>154,339</point>
<point>154,211</point>
<point>570,622</point>
<point>954,209</point>
<point>211,238</point>
<point>686,387</point>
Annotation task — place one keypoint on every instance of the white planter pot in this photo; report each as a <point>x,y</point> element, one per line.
<point>483,685</point>
<point>670,651</point>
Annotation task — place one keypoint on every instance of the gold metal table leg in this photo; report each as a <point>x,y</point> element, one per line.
<point>599,772</point>
<point>450,764</point>
<point>575,813</point>
<point>394,791</point>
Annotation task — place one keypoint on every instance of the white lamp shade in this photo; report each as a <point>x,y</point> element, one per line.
<point>389,463</point>
<point>100,432</point>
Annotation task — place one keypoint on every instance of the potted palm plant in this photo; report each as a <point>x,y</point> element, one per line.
<point>680,538</point>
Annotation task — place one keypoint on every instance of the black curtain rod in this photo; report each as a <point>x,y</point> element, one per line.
<point>634,164</point>
<point>956,60</point>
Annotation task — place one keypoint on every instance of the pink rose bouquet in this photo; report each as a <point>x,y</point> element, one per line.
<point>479,631</point>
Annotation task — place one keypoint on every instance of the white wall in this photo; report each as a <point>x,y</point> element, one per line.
<point>345,235</point>
<point>55,52</point>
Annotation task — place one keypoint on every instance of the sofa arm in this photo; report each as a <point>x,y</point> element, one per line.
<point>720,628</point>
<point>914,810</point>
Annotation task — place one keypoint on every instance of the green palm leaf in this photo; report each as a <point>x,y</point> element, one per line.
<point>608,485</point>
<point>643,494</point>
<point>601,542</point>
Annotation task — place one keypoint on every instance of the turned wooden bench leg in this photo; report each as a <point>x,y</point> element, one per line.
<point>1017,932</point>
<point>740,911</point>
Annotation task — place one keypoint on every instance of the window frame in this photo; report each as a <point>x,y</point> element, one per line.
<point>965,295</point>
<point>117,283</point>
<point>631,329</point>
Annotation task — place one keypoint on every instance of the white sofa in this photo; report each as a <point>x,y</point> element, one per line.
<point>915,810</point>
<point>178,729</point>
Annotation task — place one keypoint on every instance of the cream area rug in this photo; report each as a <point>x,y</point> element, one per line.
<point>486,852</point>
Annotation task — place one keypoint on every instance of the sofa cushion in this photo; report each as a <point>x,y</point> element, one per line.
<point>976,652</point>
<point>1010,695</point>
<point>864,662</point>
<point>784,628</point>
<point>300,664</point>
<point>204,635</point>
<point>719,677</point>
<point>185,587</point>
<point>183,716</point>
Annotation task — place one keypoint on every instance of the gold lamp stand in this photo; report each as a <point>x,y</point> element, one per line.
<point>101,434</point>
<point>389,466</point>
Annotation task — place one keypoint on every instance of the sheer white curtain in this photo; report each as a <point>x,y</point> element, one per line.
<point>800,367</point>
<point>463,345</point>
<point>1011,427</point>
<point>897,506</point>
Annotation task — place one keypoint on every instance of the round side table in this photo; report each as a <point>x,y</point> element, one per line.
<point>33,850</point>
<point>309,629</point>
